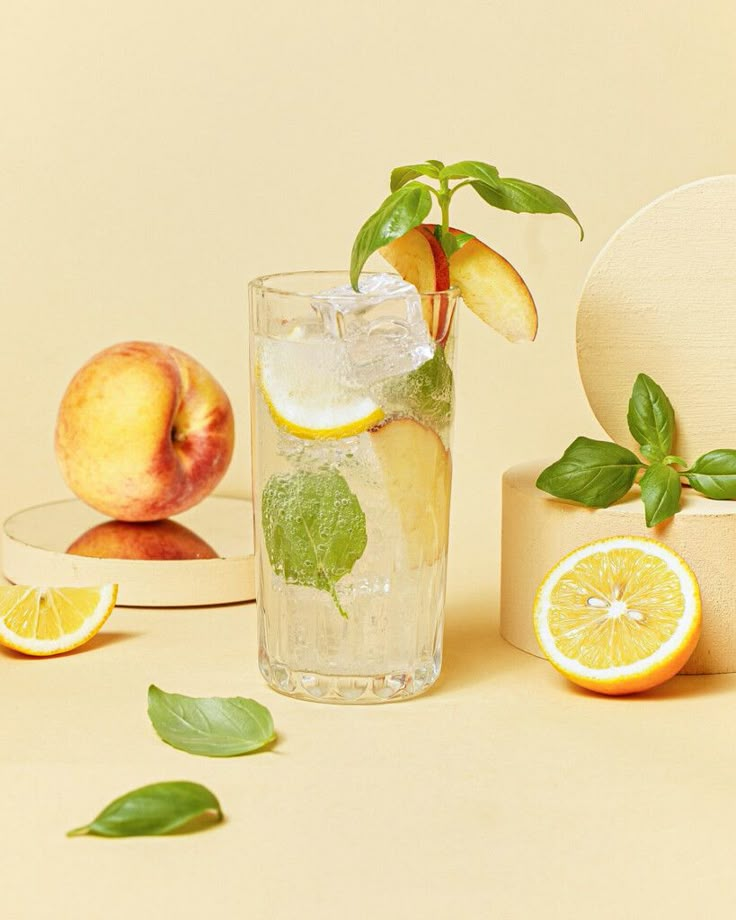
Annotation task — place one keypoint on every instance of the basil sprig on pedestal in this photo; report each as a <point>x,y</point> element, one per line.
<point>599,473</point>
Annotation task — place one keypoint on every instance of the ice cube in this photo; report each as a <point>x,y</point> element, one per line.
<point>382,328</point>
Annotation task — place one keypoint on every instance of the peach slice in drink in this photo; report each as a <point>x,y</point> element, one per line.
<point>417,471</point>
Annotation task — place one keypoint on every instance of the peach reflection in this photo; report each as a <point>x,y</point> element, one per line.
<point>148,540</point>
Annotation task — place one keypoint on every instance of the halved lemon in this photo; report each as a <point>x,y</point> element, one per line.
<point>46,621</point>
<point>306,393</point>
<point>619,615</point>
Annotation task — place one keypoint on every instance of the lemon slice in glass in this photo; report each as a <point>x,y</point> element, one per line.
<point>46,621</point>
<point>304,385</point>
<point>619,615</point>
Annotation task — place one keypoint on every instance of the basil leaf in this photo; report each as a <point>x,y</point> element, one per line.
<point>660,492</point>
<point>451,240</point>
<point>403,174</point>
<point>210,726</point>
<point>594,473</point>
<point>161,808</point>
<point>714,474</point>
<point>470,169</point>
<point>651,418</point>
<point>523,198</point>
<point>403,210</point>
<point>438,164</point>
<point>653,454</point>
<point>426,392</point>
<point>314,529</point>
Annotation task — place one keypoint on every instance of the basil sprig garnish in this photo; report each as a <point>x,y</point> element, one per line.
<point>410,202</point>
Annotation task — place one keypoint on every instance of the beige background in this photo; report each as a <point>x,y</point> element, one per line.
<point>155,156</point>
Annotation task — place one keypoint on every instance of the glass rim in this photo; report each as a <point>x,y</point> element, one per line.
<point>262,283</point>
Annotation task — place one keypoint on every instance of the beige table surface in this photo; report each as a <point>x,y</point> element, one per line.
<point>502,793</point>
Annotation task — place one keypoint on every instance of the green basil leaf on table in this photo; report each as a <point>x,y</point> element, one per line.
<point>314,529</point>
<point>594,473</point>
<point>210,726</point>
<point>524,198</point>
<point>401,175</point>
<point>470,169</point>
<point>714,474</point>
<point>660,492</point>
<point>161,808</point>
<point>651,418</point>
<point>403,210</point>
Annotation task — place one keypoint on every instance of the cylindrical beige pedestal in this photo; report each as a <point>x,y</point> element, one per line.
<point>539,530</point>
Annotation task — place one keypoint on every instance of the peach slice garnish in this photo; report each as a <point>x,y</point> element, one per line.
<point>489,284</point>
<point>419,258</point>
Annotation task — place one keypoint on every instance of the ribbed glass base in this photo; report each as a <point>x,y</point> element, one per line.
<point>344,688</point>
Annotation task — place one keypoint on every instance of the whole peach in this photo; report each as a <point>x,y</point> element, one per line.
<point>143,432</point>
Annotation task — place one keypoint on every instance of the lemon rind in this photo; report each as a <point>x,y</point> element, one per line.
<point>317,434</point>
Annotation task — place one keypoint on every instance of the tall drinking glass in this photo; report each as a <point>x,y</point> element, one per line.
<point>351,407</point>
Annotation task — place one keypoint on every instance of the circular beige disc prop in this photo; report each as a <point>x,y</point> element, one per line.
<point>201,557</point>
<point>661,299</point>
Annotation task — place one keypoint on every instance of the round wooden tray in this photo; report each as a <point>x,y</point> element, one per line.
<point>661,299</point>
<point>35,543</point>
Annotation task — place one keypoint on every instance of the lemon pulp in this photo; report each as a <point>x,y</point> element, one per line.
<point>615,608</point>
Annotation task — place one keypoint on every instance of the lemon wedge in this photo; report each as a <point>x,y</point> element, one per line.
<point>306,393</point>
<point>46,621</point>
<point>619,616</point>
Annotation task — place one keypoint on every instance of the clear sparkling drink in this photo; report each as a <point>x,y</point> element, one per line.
<point>352,403</point>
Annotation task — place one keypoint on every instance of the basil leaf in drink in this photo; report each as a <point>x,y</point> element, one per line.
<point>314,529</point>
<point>651,418</point>
<point>403,174</point>
<point>403,210</point>
<point>161,808</point>
<point>594,473</point>
<point>523,198</point>
<point>714,474</point>
<point>426,392</point>
<point>470,169</point>
<point>210,726</point>
<point>660,492</point>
